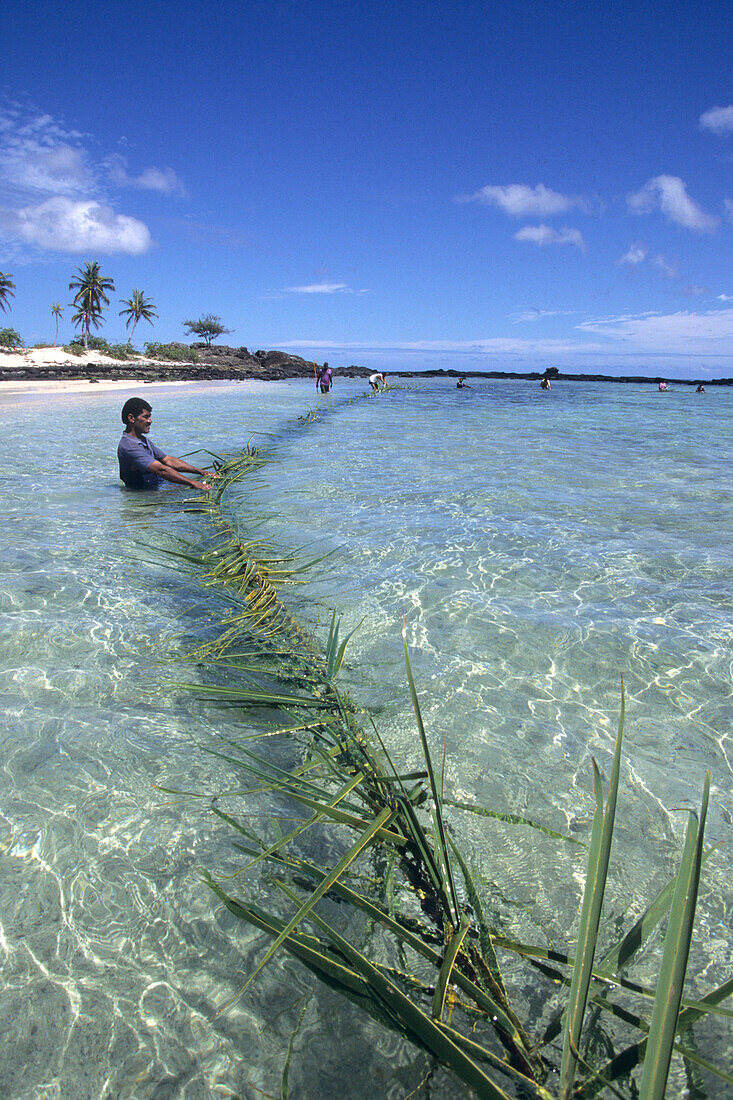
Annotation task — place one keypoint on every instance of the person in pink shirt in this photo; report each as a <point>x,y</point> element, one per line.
<point>325,378</point>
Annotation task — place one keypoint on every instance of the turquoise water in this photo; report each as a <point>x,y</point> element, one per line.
<point>540,546</point>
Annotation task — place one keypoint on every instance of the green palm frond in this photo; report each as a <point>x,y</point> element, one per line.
<point>90,298</point>
<point>7,290</point>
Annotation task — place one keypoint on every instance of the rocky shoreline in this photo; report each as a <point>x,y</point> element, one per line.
<point>214,363</point>
<point>223,363</point>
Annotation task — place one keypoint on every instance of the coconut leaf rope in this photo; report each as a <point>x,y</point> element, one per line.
<point>429,964</point>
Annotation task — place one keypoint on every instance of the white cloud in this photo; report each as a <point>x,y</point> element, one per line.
<point>320,288</point>
<point>666,267</point>
<point>31,167</point>
<point>729,209</point>
<point>718,119</point>
<point>499,346</point>
<point>636,255</point>
<point>163,180</point>
<point>544,235</point>
<point>521,201</point>
<point>669,194</point>
<point>160,179</point>
<point>725,297</point>
<point>709,333</point>
<point>631,343</point>
<point>51,190</point>
<point>61,224</point>
<point>534,314</point>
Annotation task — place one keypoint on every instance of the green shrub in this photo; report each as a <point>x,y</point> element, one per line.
<point>98,343</point>
<point>176,353</point>
<point>9,338</point>
<point>94,343</point>
<point>122,351</point>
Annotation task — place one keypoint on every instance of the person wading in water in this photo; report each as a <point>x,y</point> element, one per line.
<point>142,464</point>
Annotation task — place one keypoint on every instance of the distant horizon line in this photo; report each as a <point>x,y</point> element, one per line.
<point>536,375</point>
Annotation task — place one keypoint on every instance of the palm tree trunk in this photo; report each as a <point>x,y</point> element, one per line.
<point>56,333</point>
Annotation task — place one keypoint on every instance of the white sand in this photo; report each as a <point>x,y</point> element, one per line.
<point>78,385</point>
<point>53,357</point>
<point>57,357</point>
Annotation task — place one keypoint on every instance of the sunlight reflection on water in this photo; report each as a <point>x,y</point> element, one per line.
<point>538,549</point>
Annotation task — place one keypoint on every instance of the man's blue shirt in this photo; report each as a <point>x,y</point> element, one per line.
<point>135,456</point>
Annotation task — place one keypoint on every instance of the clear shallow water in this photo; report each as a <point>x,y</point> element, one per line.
<point>540,546</point>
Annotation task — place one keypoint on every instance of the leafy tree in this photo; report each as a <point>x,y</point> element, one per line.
<point>7,289</point>
<point>57,309</point>
<point>138,306</point>
<point>91,297</point>
<point>209,327</point>
<point>9,338</point>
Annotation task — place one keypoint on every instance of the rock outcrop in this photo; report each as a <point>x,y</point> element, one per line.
<point>215,362</point>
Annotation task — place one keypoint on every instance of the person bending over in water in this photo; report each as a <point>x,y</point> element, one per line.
<point>375,379</point>
<point>700,389</point>
<point>461,383</point>
<point>325,378</point>
<point>142,464</point>
<point>545,383</point>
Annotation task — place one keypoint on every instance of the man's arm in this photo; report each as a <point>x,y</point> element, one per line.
<point>170,473</point>
<point>185,467</point>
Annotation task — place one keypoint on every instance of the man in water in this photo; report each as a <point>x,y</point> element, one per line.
<point>325,378</point>
<point>375,379</point>
<point>461,383</point>
<point>142,464</point>
<point>545,383</point>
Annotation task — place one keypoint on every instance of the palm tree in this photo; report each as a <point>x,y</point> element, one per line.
<point>137,306</point>
<point>91,297</point>
<point>7,288</point>
<point>57,309</point>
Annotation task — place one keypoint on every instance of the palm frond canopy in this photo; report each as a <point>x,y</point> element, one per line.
<point>7,290</point>
<point>91,296</point>
<point>91,286</point>
<point>86,318</point>
<point>137,307</point>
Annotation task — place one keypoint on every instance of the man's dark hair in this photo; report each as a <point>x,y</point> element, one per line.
<point>133,407</point>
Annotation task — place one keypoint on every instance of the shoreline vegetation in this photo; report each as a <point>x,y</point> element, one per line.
<point>430,963</point>
<point>202,362</point>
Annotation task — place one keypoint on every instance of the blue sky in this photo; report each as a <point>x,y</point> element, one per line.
<point>499,187</point>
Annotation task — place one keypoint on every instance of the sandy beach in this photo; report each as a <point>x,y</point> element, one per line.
<point>219,363</point>
<point>55,357</point>
<point>43,358</point>
<point>80,385</point>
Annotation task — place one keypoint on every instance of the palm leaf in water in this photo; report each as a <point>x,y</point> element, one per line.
<point>386,810</point>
